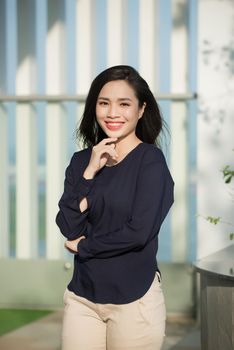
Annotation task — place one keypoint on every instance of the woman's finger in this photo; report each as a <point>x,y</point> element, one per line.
<point>110,150</point>
<point>101,152</point>
<point>69,248</point>
<point>107,140</point>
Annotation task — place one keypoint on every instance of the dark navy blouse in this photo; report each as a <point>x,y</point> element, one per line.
<point>127,203</point>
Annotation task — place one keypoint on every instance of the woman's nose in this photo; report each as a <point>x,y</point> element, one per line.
<point>113,110</point>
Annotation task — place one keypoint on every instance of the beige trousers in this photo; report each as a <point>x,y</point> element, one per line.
<point>139,325</point>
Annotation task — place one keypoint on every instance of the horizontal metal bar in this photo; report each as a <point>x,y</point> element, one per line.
<point>82,98</point>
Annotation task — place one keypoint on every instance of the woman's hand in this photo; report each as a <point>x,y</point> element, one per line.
<point>72,245</point>
<point>101,152</point>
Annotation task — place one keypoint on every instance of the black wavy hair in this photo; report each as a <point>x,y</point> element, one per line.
<point>149,125</point>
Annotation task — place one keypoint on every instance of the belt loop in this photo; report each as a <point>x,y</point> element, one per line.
<point>158,276</point>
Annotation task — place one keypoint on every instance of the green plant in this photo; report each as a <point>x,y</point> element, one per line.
<point>228,175</point>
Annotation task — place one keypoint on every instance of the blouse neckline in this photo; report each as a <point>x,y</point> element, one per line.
<point>126,157</point>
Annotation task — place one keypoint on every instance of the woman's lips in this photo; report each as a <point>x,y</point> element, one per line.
<point>114,125</point>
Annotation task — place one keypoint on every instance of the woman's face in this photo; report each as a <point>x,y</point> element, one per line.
<point>117,109</point>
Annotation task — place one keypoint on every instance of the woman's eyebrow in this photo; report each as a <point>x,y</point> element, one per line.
<point>119,99</point>
<point>103,98</point>
<point>124,99</point>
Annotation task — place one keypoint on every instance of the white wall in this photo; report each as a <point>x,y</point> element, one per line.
<point>215,121</point>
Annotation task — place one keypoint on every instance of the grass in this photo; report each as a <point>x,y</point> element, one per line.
<point>11,319</point>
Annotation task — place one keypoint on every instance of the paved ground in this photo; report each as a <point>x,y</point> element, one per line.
<point>182,335</point>
<point>44,334</point>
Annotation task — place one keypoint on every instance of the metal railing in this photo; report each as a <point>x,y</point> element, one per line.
<point>82,98</point>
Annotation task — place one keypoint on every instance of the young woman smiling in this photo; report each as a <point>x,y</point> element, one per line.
<point>117,192</point>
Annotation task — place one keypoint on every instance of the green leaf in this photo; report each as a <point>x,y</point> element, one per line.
<point>228,174</point>
<point>213,220</point>
<point>228,179</point>
<point>231,236</point>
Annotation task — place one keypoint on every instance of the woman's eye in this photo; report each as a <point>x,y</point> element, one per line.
<point>124,104</point>
<point>102,103</point>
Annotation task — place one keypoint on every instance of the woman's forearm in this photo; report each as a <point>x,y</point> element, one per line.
<point>88,174</point>
<point>83,204</point>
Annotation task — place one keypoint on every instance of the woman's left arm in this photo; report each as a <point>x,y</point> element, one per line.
<point>154,197</point>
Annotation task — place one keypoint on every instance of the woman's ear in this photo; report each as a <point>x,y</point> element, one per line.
<point>142,110</point>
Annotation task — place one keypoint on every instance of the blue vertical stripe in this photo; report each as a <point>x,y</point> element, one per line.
<point>192,128</point>
<point>3,42</point>
<point>11,47</point>
<point>165,239</point>
<point>41,31</point>
<point>11,59</point>
<point>165,27</point>
<point>70,40</point>
<point>100,42</point>
<point>133,33</point>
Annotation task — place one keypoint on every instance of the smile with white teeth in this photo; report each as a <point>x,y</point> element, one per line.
<point>114,125</point>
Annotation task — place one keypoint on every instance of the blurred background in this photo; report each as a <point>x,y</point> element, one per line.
<point>50,51</point>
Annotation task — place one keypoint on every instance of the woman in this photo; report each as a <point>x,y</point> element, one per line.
<point>117,192</point>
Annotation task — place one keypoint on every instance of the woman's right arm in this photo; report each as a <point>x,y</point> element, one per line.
<point>76,199</point>
<point>74,203</point>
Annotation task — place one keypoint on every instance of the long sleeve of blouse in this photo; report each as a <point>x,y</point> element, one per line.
<point>70,219</point>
